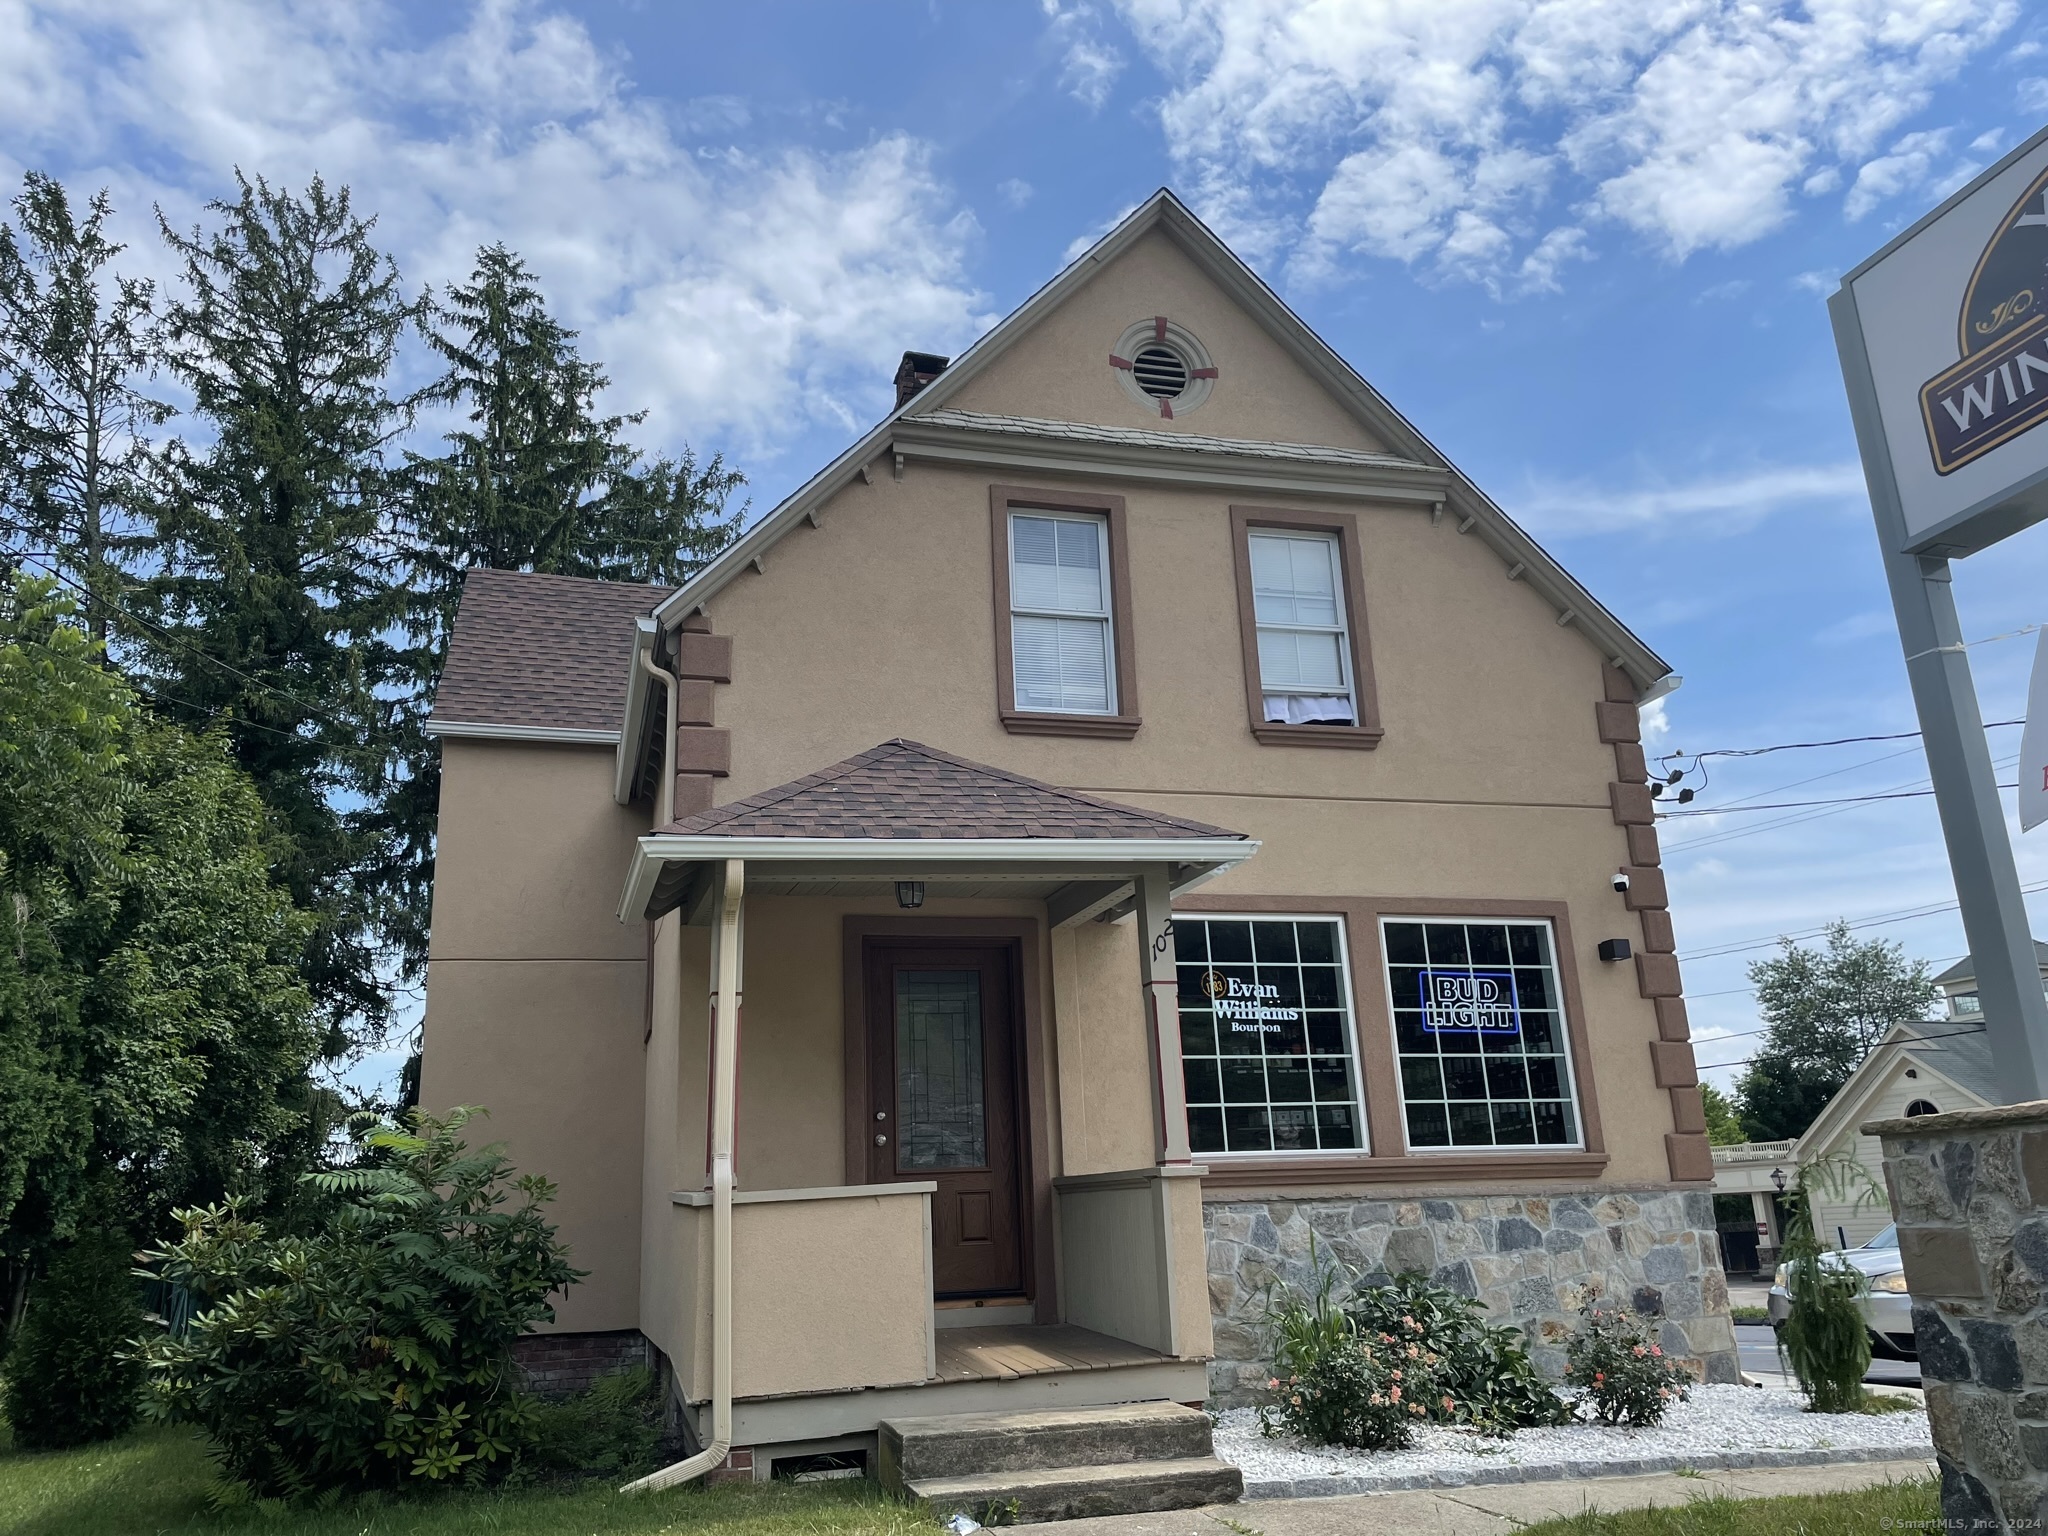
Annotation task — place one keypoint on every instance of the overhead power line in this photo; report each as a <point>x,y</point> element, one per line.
<point>1793,805</point>
<point>1875,920</point>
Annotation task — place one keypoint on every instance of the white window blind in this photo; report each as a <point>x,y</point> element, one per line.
<point>1304,651</point>
<point>1060,639</point>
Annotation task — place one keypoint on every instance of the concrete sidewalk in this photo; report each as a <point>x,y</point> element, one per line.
<point>1497,1507</point>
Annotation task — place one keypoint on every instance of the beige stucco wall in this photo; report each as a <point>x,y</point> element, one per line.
<point>1491,781</point>
<point>1060,369</point>
<point>536,994</point>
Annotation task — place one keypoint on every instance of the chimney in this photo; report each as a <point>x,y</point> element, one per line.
<point>917,370</point>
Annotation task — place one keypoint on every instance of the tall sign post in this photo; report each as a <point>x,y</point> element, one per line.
<point>1943,337</point>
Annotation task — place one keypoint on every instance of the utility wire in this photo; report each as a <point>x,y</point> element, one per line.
<point>1839,741</point>
<point>1875,920</point>
<point>1947,1034</point>
<point>1791,805</point>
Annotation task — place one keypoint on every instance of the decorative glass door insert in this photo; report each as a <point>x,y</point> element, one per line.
<point>941,1104</point>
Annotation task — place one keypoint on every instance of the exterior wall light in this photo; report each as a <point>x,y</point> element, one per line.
<point>1615,949</point>
<point>1778,1178</point>
<point>909,893</point>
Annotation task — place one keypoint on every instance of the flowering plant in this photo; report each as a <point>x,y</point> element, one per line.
<point>1621,1371</point>
<point>1362,1392</point>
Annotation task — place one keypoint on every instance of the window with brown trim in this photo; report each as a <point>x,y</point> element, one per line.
<point>1065,663</point>
<point>1301,620</point>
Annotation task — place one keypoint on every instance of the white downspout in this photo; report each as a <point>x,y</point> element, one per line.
<point>724,1097</point>
<point>667,798</point>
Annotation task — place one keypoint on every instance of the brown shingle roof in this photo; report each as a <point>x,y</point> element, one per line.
<point>536,651</point>
<point>904,789</point>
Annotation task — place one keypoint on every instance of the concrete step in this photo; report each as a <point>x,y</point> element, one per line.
<point>1076,1493</point>
<point>969,1444</point>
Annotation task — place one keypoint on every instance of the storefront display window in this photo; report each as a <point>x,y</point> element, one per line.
<point>1266,1035</point>
<point>1479,1032</point>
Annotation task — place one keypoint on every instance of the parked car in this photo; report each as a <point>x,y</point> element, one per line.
<point>1887,1305</point>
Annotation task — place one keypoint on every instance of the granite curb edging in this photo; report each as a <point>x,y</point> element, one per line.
<point>1580,1471</point>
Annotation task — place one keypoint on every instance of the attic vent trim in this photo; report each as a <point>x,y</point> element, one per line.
<point>1163,367</point>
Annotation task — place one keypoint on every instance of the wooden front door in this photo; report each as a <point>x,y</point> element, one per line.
<point>944,1105</point>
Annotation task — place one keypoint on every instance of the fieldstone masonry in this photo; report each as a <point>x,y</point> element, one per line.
<point>1532,1261</point>
<point>1970,1192</point>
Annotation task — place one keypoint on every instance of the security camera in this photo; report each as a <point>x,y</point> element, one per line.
<point>1621,879</point>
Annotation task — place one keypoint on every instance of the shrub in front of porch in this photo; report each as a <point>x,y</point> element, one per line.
<point>1621,1371</point>
<point>376,1352</point>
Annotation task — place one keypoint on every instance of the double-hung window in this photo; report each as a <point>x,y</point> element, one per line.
<point>1062,638</point>
<point>1301,619</point>
<point>1303,646</point>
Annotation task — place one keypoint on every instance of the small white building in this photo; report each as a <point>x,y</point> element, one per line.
<point>1917,1069</point>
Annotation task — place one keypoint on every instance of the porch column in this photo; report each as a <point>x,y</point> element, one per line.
<point>1160,987</point>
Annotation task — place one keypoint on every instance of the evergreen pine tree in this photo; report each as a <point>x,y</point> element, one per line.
<point>74,340</point>
<point>533,477</point>
<point>272,609</point>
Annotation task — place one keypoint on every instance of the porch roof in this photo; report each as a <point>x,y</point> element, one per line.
<point>906,811</point>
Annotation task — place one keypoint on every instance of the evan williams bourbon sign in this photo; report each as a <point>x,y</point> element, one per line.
<point>2000,387</point>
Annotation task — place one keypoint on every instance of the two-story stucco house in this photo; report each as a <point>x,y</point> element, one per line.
<point>1138,807</point>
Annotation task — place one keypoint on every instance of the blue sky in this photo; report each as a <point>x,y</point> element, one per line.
<point>1583,244</point>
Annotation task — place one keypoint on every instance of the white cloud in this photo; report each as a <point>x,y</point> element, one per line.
<point>1908,164</point>
<point>1089,64</point>
<point>1701,507</point>
<point>1858,626</point>
<point>741,296</point>
<point>1450,133</point>
<point>2033,94</point>
<point>1015,192</point>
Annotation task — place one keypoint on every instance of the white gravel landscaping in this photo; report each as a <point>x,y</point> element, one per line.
<point>1718,1427</point>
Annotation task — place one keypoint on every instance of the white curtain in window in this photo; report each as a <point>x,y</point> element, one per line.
<point>1059,626</point>
<point>1300,620</point>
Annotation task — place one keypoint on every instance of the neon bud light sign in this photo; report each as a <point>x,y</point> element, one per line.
<point>1470,1000</point>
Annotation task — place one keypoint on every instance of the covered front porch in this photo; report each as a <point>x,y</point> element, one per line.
<point>973,1254</point>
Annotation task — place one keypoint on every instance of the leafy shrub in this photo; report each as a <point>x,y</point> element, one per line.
<point>1365,1370</point>
<point>1621,1371</point>
<point>1824,1339</point>
<point>72,1377</point>
<point>1359,1393</point>
<point>609,1431</point>
<point>1481,1367</point>
<point>376,1352</point>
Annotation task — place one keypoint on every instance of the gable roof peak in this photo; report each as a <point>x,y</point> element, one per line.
<point>1165,210</point>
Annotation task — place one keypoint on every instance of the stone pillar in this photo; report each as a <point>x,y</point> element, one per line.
<point>1969,1190</point>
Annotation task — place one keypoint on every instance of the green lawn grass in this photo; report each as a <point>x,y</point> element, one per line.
<point>156,1483</point>
<point>1859,1512</point>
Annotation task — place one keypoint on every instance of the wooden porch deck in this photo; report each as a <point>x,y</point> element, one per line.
<point>1004,1354</point>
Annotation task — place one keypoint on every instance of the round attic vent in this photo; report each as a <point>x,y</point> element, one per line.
<point>1163,367</point>
<point>1161,372</point>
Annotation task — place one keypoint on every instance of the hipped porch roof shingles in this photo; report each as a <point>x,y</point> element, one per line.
<point>906,790</point>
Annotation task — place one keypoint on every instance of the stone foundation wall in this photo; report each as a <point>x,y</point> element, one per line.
<point>1970,1192</point>
<point>1532,1261</point>
<point>558,1363</point>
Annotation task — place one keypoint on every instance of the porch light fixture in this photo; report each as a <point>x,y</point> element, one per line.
<point>1778,1178</point>
<point>1612,950</point>
<point>909,893</point>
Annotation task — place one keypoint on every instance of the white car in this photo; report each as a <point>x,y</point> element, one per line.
<point>1887,1305</point>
